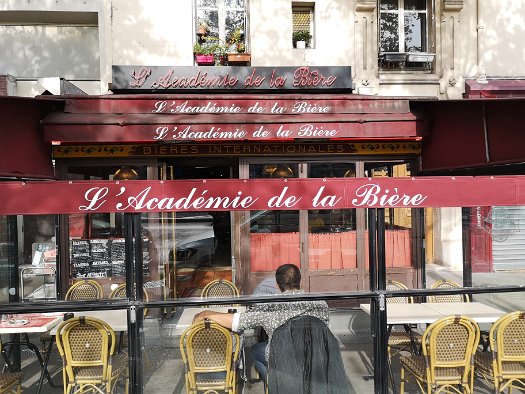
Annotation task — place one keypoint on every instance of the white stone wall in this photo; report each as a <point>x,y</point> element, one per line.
<point>473,39</point>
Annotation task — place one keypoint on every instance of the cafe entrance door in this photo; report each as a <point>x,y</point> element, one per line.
<point>198,245</point>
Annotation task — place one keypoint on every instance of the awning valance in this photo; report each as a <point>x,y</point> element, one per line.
<point>236,118</point>
<point>258,194</point>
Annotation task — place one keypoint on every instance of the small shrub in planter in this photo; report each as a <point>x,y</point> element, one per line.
<point>301,35</point>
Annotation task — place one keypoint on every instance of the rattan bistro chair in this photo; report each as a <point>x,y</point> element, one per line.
<point>400,338</point>
<point>220,288</point>
<point>120,292</point>
<point>87,347</point>
<point>10,381</point>
<point>447,284</point>
<point>87,289</point>
<point>209,352</point>
<point>504,365</point>
<point>446,364</point>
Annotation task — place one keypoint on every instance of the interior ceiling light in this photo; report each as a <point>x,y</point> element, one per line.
<point>126,173</point>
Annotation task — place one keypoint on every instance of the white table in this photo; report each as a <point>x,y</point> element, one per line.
<point>429,312</point>
<point>26,324</point>
<point>426,313</point>
<point>117,319</point>
<point>186,319</point>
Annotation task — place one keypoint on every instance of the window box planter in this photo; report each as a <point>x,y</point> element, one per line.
<point>205,60</point>
<point>239,58</point>
<point>393,56</point>
<point>420,57</point>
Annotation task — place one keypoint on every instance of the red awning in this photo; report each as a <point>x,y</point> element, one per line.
<point>476,133</point>
<point>495,88</point>
<point>169,118</point>
<point>258,194</point>
<point>23,152</point>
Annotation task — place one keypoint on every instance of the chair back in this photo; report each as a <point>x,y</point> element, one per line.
<point>449,345</point>
<point>447,284</point>
<point>86,346</point>
<point>120,292</point>
<point>393,285</point>
<point>209,352</point>
<point>305,357</point>
<point>220,288</point>
<point>87,289</point>
<point>507,344</point>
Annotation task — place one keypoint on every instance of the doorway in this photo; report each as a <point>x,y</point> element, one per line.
<point>197,245</point>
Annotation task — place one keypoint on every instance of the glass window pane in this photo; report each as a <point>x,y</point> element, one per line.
<point>234,3</point>
<point>389,32</point>
<point>234,21</point>
<point>389,4</point>
<point>419,5</point>
<point>210,18</point>
<point>415,32</point>
<point>207,3</point>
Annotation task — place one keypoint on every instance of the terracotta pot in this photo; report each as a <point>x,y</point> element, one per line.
<point>239,57</point>
<point>201,31</point>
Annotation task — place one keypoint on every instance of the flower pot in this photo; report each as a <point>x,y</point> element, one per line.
<point>201,31</point>
<point>205,59</point>
<point>239,57</point>
<point>300,44</point>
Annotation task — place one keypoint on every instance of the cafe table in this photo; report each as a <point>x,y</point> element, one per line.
<point>429,312</point>
<point>21,325</point>
<point>186,318</point>
<point>116,318</point>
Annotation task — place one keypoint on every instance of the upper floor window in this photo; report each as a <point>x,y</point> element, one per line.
<point>302,19</point>
<point>222,18</point>
<point>404,31</point>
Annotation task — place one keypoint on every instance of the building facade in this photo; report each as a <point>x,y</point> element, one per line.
<point>224,91</point>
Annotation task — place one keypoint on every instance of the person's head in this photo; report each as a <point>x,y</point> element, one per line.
<point>288,277</point>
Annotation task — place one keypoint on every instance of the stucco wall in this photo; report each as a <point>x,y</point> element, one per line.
<point>473,39</point>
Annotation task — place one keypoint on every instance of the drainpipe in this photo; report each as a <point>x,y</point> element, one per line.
<point>481,76</point>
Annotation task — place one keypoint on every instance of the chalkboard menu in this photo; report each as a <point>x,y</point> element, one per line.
<point>7,259</point>
<point>103,258</point>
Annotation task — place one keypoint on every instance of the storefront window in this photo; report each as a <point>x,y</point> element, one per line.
<point>274,235</point>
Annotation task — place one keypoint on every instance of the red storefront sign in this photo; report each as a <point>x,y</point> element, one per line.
<point>164,118</point>
<point>260,194</point>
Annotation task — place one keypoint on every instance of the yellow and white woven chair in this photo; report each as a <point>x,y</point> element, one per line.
<point>400,338</point>
<point>504,364</point>
<point>447,284</point>
<point>220,288</point>
<point>120,292</point>
<point>209,352</point>
<point>446,365</point>
<point>87,347</point>
<point>10,382</point>
<point>87,289</point>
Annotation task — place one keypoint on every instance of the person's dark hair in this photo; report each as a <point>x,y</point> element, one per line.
<point>288,277</point>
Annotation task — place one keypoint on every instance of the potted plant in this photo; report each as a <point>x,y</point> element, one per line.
<point>237,47</point>
<point>204,53</point>
<point>301,39</point>
<point>203,29</point>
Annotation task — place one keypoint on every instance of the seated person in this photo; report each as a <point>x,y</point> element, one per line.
<point>270,315</point>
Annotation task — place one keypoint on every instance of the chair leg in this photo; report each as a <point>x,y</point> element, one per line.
<point>402,381</point>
